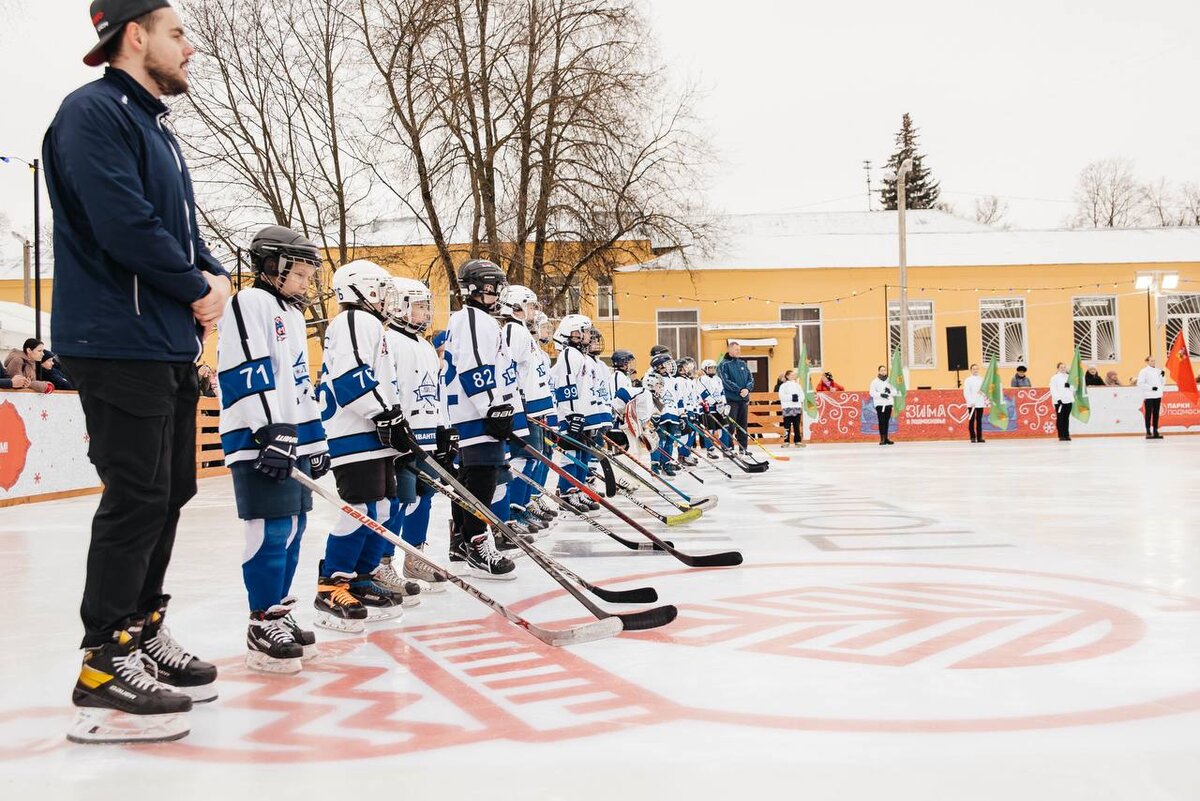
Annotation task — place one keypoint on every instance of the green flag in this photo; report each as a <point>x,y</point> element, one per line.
<point>896,378</point>
<point>810,397</point>
<point>1081,409</point>
<point>993,390</point>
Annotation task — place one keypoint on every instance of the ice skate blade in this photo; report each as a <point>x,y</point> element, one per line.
<point>335,623</point>
<point>378,614</point>
<point>428,586</point>
<point>310,652</point>
<point>409,601</point>
<point>201,694</point>
<point>262,663</point>
<point>94,726</point>
<point>488,576</point>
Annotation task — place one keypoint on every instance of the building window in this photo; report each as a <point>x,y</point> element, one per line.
<point>679,330</point>
<point>606,303</point>
<point>807,321</point>
<point>920,331</point>
<point>559,303</point>
<point>1002,323</point>
<point>1095,320</point>
<point>1183,314</point>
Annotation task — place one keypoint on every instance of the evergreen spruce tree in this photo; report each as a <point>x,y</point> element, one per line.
<point>920,189</point>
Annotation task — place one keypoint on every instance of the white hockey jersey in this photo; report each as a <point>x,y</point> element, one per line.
<point>480,373</point>
<point>532,372</point>
<point>262,369</point>
<point>572,379</point>
<point>715,388</point>
<point>546,366</point>
<point>358,382</point>
<point>418,385</point>
<point>673,398</point>
<point>601,415</point>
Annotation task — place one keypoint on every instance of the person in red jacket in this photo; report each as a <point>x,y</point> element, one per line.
<point>829,385</point>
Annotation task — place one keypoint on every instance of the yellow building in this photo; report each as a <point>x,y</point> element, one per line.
<point>831,281</point>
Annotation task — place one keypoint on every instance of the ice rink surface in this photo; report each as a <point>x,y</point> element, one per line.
<point>1019,619</point>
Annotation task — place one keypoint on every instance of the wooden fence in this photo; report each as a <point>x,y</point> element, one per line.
<point>210,459</point>
<point>765,416</point>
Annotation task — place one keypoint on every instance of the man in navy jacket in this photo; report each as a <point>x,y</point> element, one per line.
<point>135,291</point>
<point>735,375</point>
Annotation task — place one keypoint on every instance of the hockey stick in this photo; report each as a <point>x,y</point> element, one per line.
<point>725,559</point>
<point>674,462</point>
<point>596,524</point>
<point>709,462</point>
<point>610,479</point>
<point>630,621</point>
<point>573,635</point>
<point>748,466</point>
<point>642,595</point>
<point>734,423</point>
<point>728,455</point>
<point>703,503</point>
<point>671,520</point>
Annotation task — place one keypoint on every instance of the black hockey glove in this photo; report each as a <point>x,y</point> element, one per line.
<point>278,454</point>
<point>394,431</point>
<point>795,398</point>
<point>619,439</point>
<point>447,447</point>
<point>575,426</point>
<point>319,464</point>
<point>499,422</point>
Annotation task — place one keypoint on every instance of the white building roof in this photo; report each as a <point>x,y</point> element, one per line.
<point>935,239</point>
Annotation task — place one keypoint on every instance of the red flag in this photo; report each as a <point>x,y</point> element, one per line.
<point>1179,365</point>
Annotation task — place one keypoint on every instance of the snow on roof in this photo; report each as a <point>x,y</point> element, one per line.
<point>935,239</point>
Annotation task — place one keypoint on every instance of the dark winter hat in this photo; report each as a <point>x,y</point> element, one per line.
<point>1021,369</point>
<point>109,18</point>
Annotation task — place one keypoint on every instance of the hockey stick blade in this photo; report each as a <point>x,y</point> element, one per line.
<point>648,619</point>
<point>641,595</point>
<point>725,559</point>
<point>705,503</point>
<point>574,635</point>
<point>684,518</point>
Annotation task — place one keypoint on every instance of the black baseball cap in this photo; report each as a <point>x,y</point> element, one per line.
<point>109,18</point>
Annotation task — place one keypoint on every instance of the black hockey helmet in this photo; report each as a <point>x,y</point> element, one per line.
<point>274,251</point>
<point>657,349</point>
<point>621,359</point>
<point>595,341</point>
<point>664,363</point>
<point>478,277</point>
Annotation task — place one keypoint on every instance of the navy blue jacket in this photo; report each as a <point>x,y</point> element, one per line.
<point>735,375</point>
<point>127,249</point>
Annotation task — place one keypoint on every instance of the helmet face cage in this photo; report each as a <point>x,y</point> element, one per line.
<point>622,360</point>
<point>709,364</point>
<point>407,300</point>
<point>653,382</point>
<point>595,341</point>
<point>275,265</point>
<point>478,278</point>
<point>540,327</point>
<point>519,303</point>
<point>573,331</point>
<point>685,366</point>
<point>666,368</point>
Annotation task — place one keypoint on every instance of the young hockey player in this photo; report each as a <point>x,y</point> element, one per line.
<point>686,383</point>
<point>419,390</point>
<point>518,311</point>
<point>670,402</point>
<point>484,404</point>
<point>541,329</point>
<point>367,430</point>
<point>575,398</point>
<point>270,423</point>
<point>713,401</point>
<point>623,393</point>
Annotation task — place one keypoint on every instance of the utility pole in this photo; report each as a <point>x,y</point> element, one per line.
<point>867,168</point>
<point>901,206</point>
<point>26,260</point>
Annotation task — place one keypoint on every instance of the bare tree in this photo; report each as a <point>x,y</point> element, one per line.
<point>990,210</point>
<point>1108,196</point>
<point>1160,206</point>
<point>1189,202</point>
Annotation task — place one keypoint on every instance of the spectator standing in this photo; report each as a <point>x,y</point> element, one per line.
<point>737,381</point>
<point>791,398</point>
<point>827,384</point>
<point>50,370</point>
<point>1062,395</point>
<point>25,363</point>
<point>976,403</point>
<point>882,394</point>
<point>1111,379</point>
<point>208,386</point>
<point>135,291</point>
<point>1021,379</point>
<point>1151,379</point>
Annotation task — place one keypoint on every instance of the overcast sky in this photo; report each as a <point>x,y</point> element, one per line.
<point>1012,98</point>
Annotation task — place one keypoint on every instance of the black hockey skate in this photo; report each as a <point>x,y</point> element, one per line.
<point>174,666</point>
<point>270,645</point>
<point>381,603</point>
<point>386,576</point>
<point>338,609</point>
<point>485,562</point>
<point>306,638</point>
<point>119,702</point>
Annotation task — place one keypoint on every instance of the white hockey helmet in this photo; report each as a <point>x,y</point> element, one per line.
<point>569,327</point>
<point>540,327</point>
<point>364,283</point>
<point>707,363</point>
<point>515,299</point>
<point>413,307</point>
<point>652,382</point>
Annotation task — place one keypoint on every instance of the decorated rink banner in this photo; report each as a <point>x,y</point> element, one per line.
<point>43,446</point>
<point>941,414</point>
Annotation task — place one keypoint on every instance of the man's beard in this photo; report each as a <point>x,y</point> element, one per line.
<point>170,84</point>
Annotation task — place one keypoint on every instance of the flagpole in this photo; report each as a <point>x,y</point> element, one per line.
<point>902,208</point>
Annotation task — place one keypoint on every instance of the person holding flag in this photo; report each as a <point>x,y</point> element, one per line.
<point>884,397</point>
<point>809,395</point>
<point>1081,407</point>
<point>1063,399</point>
<point>993,390</point>
<point>976,402</point>
<point>1151,380</point>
